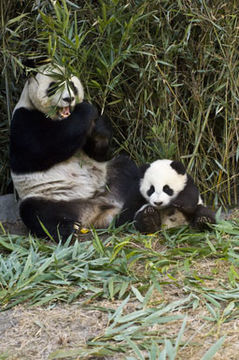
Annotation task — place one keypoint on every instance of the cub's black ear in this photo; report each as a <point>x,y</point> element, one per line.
<point>142,169</point>
<point>179,167</point>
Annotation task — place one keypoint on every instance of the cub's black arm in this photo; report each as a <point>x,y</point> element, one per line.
<point>187,200</point>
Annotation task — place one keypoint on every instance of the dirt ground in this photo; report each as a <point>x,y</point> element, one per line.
<point>34,333</point>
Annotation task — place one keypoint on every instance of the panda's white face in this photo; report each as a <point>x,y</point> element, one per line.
<point>52,92</point>
<point>161,183</point>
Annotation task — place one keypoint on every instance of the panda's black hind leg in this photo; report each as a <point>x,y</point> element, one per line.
<point>148,219</point>
<point>58,218</point>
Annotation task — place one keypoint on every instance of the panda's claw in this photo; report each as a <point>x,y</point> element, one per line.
<point>77,233</point>
<point>77,226</point>
<point>148,220</point>
<point>150,210</point>
<point>204,219</point>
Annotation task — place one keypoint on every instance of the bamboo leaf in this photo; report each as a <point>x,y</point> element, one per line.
<point>213,349</point>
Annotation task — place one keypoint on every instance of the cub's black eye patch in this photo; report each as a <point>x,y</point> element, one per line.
<point>73,88</point>
<point>52,89</point>
<point>168,190</point>
<point>151,190</point>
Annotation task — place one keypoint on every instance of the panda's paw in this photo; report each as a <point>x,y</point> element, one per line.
<point>148,220</point>
<point>203,218</point>
<point>202,223</point>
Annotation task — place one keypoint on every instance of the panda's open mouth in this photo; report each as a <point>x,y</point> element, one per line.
<point>64,112</point>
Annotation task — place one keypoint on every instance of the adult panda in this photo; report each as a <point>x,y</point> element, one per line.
<point>58,153</point>
<point>166,197</point>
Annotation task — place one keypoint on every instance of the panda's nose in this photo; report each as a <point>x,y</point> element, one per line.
<point>68,99</point>
<point>158,203</point>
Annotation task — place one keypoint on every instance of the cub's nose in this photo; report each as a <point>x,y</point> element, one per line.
<point>158,203</point>
<point>68,99</point>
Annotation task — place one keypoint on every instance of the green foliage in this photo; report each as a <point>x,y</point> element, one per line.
<point>36,272</point>
<point>166,73</point>
<point>39,272</point>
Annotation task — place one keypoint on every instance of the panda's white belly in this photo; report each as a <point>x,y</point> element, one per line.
<point>76,178</point>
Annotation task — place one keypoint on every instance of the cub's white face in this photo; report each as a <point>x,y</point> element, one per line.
<point>161,183</point>
<point>52,92</point>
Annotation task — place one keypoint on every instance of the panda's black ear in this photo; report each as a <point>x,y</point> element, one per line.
<point>142,169</point>
<point>36,62</point>
<point>179,167</point>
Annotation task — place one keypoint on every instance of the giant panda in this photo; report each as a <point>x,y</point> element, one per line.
<point>58,158</point>
<point>166,197</point>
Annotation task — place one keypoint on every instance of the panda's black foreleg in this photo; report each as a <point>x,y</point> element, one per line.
<point>123,177</point>
<point>43,217</point>
<point>98,142</point>
<point>132,204</point>
<point>202,217</point>
<point>123,181</point>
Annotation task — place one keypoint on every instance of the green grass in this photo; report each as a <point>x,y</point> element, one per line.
<point>129,266</point>
<point>39,272</point>
<point>164,72</point>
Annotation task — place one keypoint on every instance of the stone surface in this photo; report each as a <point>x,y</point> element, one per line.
<point>8,208</point>
<point>9,216</point>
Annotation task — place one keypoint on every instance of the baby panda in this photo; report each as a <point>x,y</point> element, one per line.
<point>166,197</point>
<point>59,158</point>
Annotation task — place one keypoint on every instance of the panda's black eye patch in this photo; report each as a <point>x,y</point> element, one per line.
<point>73,88</point>
<point>168,190</point>
<point>52,89</point>
<point>151,190</point>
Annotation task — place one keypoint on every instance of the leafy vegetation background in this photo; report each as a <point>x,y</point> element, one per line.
<point>165,72</point>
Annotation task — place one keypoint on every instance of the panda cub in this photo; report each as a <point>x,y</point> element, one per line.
<point>167,197</point>
<point>59,158</point>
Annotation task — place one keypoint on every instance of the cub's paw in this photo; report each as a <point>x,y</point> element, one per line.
<point>147,219</point>
<point>203,217</point>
